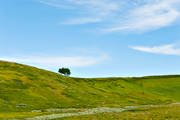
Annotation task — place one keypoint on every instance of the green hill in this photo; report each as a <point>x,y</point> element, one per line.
<point>25,88</point>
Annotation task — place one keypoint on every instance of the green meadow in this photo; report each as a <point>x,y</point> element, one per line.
<point>24,89</point>
<point>165,112</point>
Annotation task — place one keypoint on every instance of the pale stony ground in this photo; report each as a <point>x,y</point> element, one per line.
<point>90,111</point>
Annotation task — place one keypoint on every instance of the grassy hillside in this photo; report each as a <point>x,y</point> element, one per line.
<point>165,112</point>
<point>25,88</point>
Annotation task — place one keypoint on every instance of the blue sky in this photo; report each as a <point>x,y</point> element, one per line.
<point>94,38</point>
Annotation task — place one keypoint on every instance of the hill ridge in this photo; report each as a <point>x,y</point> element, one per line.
<point>25,88</point>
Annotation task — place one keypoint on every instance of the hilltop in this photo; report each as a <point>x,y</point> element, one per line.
<point>39,89</point>
<point>26,88</point>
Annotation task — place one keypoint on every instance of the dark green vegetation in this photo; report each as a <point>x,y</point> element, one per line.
<point>24,88</point>
<point>64,71</point>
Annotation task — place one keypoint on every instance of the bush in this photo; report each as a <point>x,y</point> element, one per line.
<point>65,71</point>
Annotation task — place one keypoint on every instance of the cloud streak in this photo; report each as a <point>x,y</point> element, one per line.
<point>51,62</point>
<point>150,16</point>
<point>82,21</point>
<point>122,15</point>
<point>169,49</point>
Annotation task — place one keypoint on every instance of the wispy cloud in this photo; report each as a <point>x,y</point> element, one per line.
<point>82,21</point>
<point>53,4</point>
<point>122,15</point>
<point>169,49</point>
<point>53,62</point>
<point>150,16</point>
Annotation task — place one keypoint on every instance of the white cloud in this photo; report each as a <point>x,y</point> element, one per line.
<point>169,49</point>
<point>122,15</point>
<point>51,62</point>
<point>150,16</point>
<point>82,21</point>
<point>53,3</point>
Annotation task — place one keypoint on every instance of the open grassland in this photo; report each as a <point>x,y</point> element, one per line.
<point>24,89</point>
<point>23,115</point>
<point>165,112</point>
<point>142,112</point>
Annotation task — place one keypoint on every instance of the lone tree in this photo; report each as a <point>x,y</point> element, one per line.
<point>64,71</point>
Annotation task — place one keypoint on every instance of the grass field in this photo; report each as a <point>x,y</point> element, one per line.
<point>24,88</point>
<point>166,112</point>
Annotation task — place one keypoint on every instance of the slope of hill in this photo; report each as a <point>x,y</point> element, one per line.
<point>25,88</point>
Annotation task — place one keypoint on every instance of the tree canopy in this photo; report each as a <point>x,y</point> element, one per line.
<point>64,71</point>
